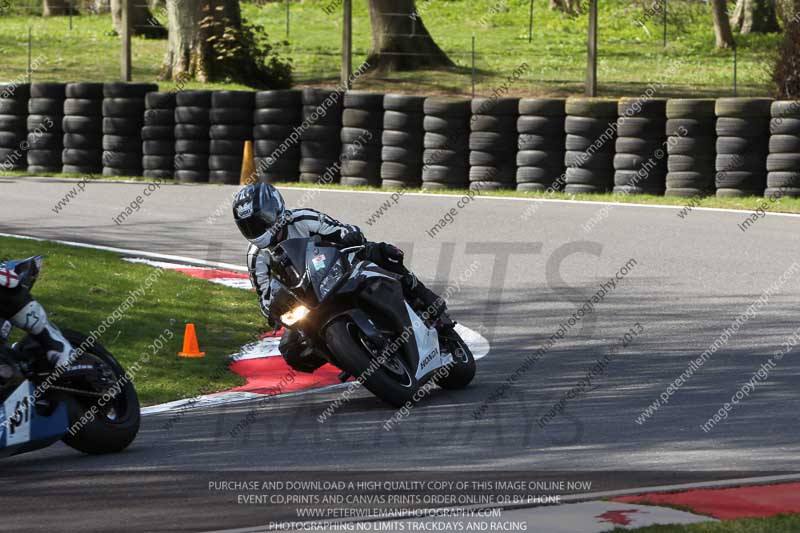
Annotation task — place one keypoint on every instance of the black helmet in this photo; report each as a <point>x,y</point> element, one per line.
<point>260,212</point>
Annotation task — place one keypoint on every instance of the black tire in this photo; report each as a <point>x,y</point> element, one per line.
<point>546,176</point>
<point>158,148</point>
<point>740,180</point>
<point>128,108</point>
<point>231,115</point>
<point>315,97</point>
<point>230,131</point>
<point>628,161</point>
<point>404,103</point>
<point>742,127</point>
<point>160,174</point>
<point>398,120</point>
<point>784,126</point>
<point>279,99</point>
<point>784,144</point>
<point>79,169</point>
<point>82,141</point>
<point>13,123</point>
<point>748,162</point>
<point>440,186</point>
<point>400,171</point>
<point>602,178</point>
<point>405,139</point>
<point>630,178</point>
<point>45,158</point>
<point>12,140</point>
<point>192,115</point>
<point>527,141</point>
<point>738,193</point>
<point>505,175</point>
<point>445,125</point>
<point>224,162</point>
<point>45,141</point>
<point>191,132</point>
<point>159,117</point>
<point>103,435</point>
<point>641,127</point>
<point>690,180</point>
<point>691,127</point>
<point>639,107</point>
<point>363,100</point>
<point>322,117</point>
<point>453,141</point>
<point>350,352</point>
<point>783,179</point>
<point>196,162</point>
<point>9,106</point>
<point>531,187</point>
<point>191,176</point>
<point>443,174</point>
<point>445,157</point>
<point>46,106</point>
<point>54,90</point>
<point>271,115</point>
<point>157,133</point>
<point>691,163</point>
<point>547,126</point>
<point>44,123</point>
<point>121,159</point>
<point>78,157</point>
<point>158,162</point>
<point>742,145</point>
<point>542,107</point>
<point>366,137</point>
<point>233,99</point>
<point>227,147</point>
<point>589,126</point>
<point>579,143</point>
<point>324,150</point>
<point>362,153</point>
<point>200,98</point>
<point>638,145</point>
<point>790,192</point>
<point>785,108</point>
<point>314,165</point>
<point>124,172</point>
<point>598,160</point>
<point>486,185</point>
<point>489,141</point>
<point>358,181</point>
<point>783,162</point>
<point>120,143</point>
<point>592,107</point>
<point>364,169</point>
<point>691,145</point>
<point>743,107</point>
<point>88,91</point>
<point>120,126</point>
<point>537,158</point>
<point>224,177</point>
<point>398,154</point>
<point>129,90</point>
<point>447,107</point>
<point>505,124</point>
<point>490,159</point>
<point>399,184</point>
<point>83,108</point>
<point>495,106</point>
<point>42,169</point>
<point>155,100</point>
<point>82,125</point>
<point>691,108</point>
<point>277,132</point>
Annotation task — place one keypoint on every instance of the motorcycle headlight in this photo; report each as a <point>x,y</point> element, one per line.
<point>295,315</point>
<point>333,277</point>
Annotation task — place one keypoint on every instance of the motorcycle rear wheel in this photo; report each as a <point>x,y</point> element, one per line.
<point>115,426</point>
<point>392,382</point>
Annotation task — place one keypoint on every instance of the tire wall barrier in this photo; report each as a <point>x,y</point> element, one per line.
<point>362,129</point>
<point>276,136</point>
<point>13,127</point>
<point>321,146</point>
<point>158,136</point>
<point>192,137</point>
<point>231,119</point>
<point>540,144</point>
<point>83,129</point>
<point>493,144</point>
<point>691,145</point>
<point>445,159</point>
<point>123,119</point>
<point>44,123</point>
<point>640,159</point>
<point>742,146</point>
<point>402,141</point>
<point>591,127</point>
<point>783,161</point>
<point>727,146</point>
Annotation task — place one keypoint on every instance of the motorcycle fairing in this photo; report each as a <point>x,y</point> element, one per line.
<point>22,428</point>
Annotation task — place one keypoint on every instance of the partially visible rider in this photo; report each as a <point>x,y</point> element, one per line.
<point>261,215</point>
<point>17,306</point>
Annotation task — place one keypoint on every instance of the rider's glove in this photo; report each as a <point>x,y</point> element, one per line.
<point>353,238</point>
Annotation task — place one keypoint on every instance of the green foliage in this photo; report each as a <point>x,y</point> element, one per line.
<point>245,54</point>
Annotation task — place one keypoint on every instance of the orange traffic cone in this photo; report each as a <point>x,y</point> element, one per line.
<point>190,346</point>
<point>248,174</point>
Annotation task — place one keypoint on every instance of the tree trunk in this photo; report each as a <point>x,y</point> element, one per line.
<point>188,54</point>
<point>143,22</point>
<point>55,8</point>
<point>756,16</point>
<point>400,40</point>
<point>571,7</point>
<point>722,26</point>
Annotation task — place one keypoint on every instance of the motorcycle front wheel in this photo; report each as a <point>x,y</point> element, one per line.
<point>389,379</point>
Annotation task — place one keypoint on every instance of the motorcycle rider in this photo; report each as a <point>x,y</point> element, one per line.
<point>17,306</point>
<point>261,215</point>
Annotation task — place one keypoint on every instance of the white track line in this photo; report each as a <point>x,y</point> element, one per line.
<point>141,253</point>
<point>589,496</point>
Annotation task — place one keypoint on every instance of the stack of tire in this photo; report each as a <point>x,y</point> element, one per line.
<point>691,140</point>
<point>231,120</point>
<point>123,119</point>
<point>277,114</point>
<point>446,156</point>
<point>45,134</point>
<point>402,140</point>
<point>83,129</point>
<point>742,146</point>
<point>13,129</point>
<point>540,144</point>
<point>362,126</point>
<point>591,134</point>
<point>493,144</point>
<point>321,146</point>
<point>192,137</point>
<point>783,162</point>
<point>158,136</point>
<point>640,162</point>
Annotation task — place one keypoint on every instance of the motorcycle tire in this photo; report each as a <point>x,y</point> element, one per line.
<point>103,435</point>
<point>462,371</point>
<point>351,353</point>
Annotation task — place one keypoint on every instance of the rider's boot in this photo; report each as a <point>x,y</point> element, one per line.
<point>432,306</point>
<point>33,319</point>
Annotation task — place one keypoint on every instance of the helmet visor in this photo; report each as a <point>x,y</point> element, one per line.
<point>252,227</point>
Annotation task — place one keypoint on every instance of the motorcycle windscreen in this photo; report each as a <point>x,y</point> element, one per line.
<point>325,269</point>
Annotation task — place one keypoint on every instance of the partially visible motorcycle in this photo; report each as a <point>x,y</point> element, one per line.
<point>354,314</point>
<point>93,408</point>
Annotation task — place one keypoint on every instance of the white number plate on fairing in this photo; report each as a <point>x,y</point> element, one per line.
<point>17,417</point>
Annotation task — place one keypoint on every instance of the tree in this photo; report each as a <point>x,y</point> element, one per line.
<point>722,26</point>
<point>571,7</point>
<point>209,41</point>
<point>757,16</point>
<point>786,72</point>
<point>400,40</point>
<point>143,22</point>
<point>51,8</point>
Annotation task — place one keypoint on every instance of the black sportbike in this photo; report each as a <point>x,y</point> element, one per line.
<point>92,408</point>
<point>354,314</point>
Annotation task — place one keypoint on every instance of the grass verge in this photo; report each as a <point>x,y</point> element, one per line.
<point>81,288</point>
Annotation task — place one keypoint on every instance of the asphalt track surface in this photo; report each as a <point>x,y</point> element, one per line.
<point>692,277</point>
